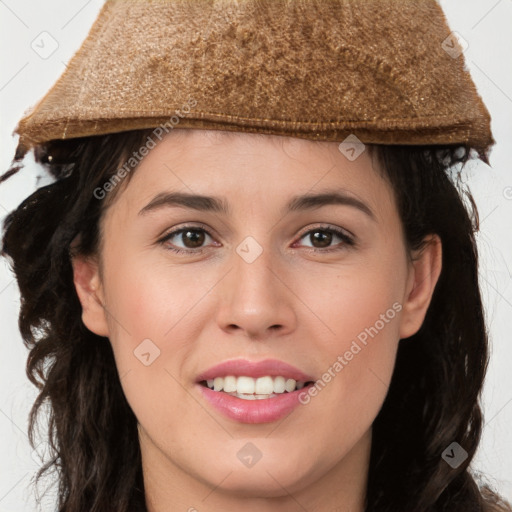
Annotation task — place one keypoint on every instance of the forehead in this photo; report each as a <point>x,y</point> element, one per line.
<point>246,166</point>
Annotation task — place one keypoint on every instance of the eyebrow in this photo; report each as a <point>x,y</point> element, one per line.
<point>220,205</point>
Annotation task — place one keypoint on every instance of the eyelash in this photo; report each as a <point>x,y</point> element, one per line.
<point>347,240</point>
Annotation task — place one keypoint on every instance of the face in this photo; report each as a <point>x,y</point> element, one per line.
<point>326,286</point>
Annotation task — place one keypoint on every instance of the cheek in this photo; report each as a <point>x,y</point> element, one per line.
<point>146,300</point>
<point>148,352</point>
<point>150,333</point>
<point>361,315</point>
<point>361,302</point>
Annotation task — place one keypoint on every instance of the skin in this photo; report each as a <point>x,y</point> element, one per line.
<point>293,304</point>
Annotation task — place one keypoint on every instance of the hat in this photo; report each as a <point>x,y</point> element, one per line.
<point>386,71</point>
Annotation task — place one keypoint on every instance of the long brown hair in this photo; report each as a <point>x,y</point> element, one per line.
<point>434,395</point>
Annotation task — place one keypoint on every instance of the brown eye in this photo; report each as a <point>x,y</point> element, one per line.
<point>187,239</point>
<point>323,238</point>
<point>192,238</point>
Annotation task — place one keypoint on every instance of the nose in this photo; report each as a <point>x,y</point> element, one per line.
<point>256,298</point>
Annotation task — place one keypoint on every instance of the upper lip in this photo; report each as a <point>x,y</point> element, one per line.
<point>255,369</point>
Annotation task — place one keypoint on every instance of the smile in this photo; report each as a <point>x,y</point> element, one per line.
<point>249,388</point>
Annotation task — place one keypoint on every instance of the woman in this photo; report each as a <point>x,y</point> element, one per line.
<point>239,318</point>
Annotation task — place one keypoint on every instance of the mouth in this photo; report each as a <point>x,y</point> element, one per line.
<point>254,391</point>
<point>249,388</point>
<point>245,399</point>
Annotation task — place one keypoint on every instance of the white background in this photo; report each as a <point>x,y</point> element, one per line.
<point>25,77</point>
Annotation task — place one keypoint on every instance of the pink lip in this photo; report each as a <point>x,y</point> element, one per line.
<point>239,367</point>
<point>253,411</point>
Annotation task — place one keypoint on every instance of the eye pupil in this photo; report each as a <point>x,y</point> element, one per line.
<point>197,238</point>
<point>324,237</point>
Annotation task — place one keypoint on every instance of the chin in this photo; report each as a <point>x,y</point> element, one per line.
<point>256,485</point>
<point>268,477</point>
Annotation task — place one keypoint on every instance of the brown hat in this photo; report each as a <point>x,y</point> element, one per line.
<point>386,71</point>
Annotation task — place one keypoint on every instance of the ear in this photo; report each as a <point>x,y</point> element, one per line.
<point>89,289</point>
<point>424,273</point>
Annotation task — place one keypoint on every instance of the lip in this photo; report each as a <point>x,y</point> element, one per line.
<point>253,411</point>
<point>254,369</point>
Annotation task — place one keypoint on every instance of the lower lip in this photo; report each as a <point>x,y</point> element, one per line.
<point>253,411</point>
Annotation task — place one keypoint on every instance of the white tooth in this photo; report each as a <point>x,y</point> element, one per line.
<point>279,385</point>
<point>253,397</point>
<point>229,384</point>
<point>218,383</point>
<point>290,385</point>
<point>264,386</point>
<point>247,397</point>
<point>245,385</point>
